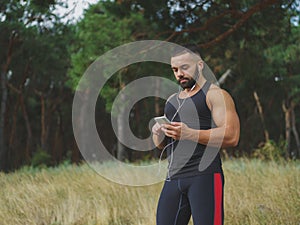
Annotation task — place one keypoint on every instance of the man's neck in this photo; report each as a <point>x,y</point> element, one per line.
<point>198,85</point>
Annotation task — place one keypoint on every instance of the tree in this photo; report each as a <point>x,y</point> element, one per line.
<point>34,61</point>
<point>255,40</point>
<point>98,32</point>
<point>232,35</point>
<point>283,57</point>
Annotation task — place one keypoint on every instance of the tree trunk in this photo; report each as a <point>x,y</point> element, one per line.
<point>121,136</point>
<point>3,150</point>
<point>261,114</point>
<point>20,102</point>
<point>294,130</point>
<point>29,131</point>
<point>12,140</point>
<point>157,109</point>
<point>4,92</point>
<point>82,127</point>
<point>43,136</point>
<point>43,124</point>
<point>14,117</point>
<point>287,115</point>
<point>58,143</point>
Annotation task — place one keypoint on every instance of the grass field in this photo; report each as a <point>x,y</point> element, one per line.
<point>256,192</point>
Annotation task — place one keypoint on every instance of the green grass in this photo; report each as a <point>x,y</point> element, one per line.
<point>256,192</point>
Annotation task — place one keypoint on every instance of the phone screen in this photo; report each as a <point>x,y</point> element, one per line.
<point>162,120</point>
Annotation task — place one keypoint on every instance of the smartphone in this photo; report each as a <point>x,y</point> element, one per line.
<point>162,120</point>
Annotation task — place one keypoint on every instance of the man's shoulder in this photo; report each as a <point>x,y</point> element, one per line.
<point>216,94</point>
<point>216,90</point>
<point>171,97</point>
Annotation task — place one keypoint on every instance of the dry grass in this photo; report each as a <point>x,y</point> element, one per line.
<point>256,192</point>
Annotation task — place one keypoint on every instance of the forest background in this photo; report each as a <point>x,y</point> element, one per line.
<point>254,44</point>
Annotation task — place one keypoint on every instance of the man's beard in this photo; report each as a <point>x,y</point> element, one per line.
<point>188,84</point>
<point>190,81</point>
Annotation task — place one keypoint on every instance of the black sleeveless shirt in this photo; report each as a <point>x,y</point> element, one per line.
<point>184,156</point>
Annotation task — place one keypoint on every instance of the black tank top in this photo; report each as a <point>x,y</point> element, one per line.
<point>184,156</point>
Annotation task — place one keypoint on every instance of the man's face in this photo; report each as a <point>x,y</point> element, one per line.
<point>185,68</point>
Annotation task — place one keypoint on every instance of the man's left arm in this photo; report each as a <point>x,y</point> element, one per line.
<point>227,130</point>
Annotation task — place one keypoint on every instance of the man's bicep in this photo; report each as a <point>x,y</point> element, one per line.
<point>223,109</point>
<point>226,119</point>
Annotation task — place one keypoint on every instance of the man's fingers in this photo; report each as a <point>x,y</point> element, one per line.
<point>176,123</point>
<point>156,129</point>
<point>173,133</point>
<point>172,125</point>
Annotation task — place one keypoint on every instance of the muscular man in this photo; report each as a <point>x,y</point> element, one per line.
<point>203,118</point>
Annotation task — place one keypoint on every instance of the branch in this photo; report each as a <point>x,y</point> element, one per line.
<point>12,40</point>
<point>256,8</point>
<point>21,85</point>
<point>224,77</point>
<point>244,17</point>
<point>72,10</point>
<point>38,93</point>
<point>13,88</point>
<point>196,29</point>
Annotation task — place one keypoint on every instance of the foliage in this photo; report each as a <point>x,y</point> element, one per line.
<point>41,158</point>
<point>34,57</point>
<point>270,150</point>
<point>99,32</point>
<point>284,57</point>
<point>43,60</point>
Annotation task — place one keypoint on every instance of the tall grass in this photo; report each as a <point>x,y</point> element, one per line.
<point>256,192</point>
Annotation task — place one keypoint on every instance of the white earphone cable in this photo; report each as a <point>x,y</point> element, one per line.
<point>173,140</point>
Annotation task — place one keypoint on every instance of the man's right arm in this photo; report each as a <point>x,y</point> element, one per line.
<point>158,136</point>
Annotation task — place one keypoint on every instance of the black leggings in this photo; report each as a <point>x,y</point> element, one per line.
<point>200,196</point>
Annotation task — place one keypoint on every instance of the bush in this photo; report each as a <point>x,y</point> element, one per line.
<point>40,158</point>
<point>270,150</point>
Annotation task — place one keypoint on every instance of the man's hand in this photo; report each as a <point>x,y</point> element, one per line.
<point>158,136</point>
<point>157,129</point>
<point>176,130</point>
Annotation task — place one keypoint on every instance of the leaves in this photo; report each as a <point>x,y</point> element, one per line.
<point>257,40</point>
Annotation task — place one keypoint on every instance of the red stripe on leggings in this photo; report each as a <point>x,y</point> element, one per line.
<point>218,199</point>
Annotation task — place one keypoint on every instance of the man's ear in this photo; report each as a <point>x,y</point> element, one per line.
<point>201,64</point>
